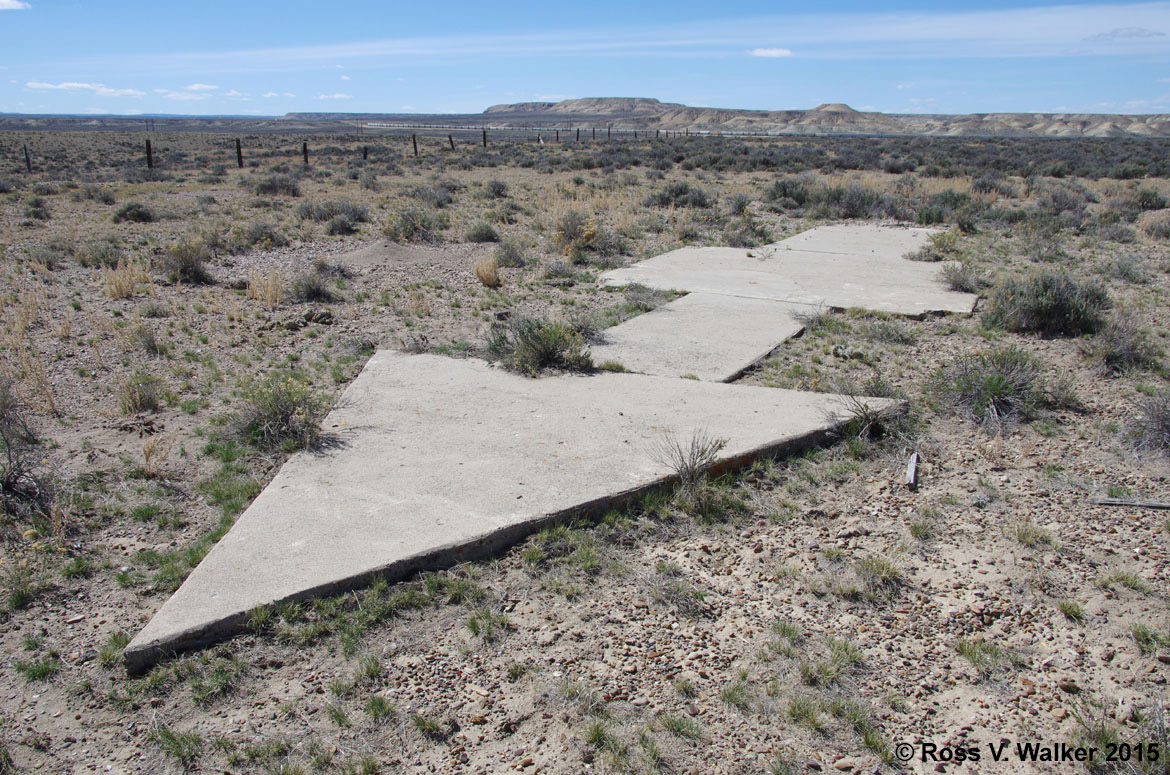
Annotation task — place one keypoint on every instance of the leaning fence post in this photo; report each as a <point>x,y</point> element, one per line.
<point>305,153</point>
<point>414,139</point>
<point>239,154</point>
<point>451,140</point>
<point>149,156</point>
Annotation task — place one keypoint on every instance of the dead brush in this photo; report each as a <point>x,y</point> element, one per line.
<point>27,364</point>
<point>155,452</point>
<point>688,457</point>
<point>266,288</point>
<point>121,282</point>
<point>487,269</point>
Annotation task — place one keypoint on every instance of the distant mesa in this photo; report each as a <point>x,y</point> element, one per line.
<point>609,106</point>
<point>831,118</point>
<point>833,107</point>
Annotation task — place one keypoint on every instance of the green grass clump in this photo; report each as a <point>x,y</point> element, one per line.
<point>184,747</point>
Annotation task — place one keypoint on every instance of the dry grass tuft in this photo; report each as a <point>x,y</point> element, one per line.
<point>265,288</point>
<point>488,271</point>
<point>122,281</point>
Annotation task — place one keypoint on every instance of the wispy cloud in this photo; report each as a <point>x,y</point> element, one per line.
<point>99,89</point>
<point>201,87</point>
<point>770,53</point>
<point>1126,33</point>
<point>337,96</point>
<point>1042,31</point>
<point>13,5</point>
<point>271,94</point>
<point>182,96</point>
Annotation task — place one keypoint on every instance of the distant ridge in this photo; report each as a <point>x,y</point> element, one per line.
<point>643,113</point>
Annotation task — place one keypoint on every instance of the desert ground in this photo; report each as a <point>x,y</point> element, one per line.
<point>171,335</point>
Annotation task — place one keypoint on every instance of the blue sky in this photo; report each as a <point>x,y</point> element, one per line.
<point>260,57</point>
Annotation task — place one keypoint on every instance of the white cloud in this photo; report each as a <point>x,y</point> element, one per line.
<point>770,53</point>
<point>13,5</point>
<point>337,96</point>
<point>201,87</point>
<point>271,94</point>
<point>100,89</point>
<point>236,95</point>
<point>345,77</point>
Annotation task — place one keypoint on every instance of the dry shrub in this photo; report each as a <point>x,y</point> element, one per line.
<point>24,488</point>
<point>281,412</point>
<point>993,388</point>
<point>265,288</point>
<point>530,346</point>
<point>1050,303</point>
<point>1121,346</point>
<point>1150,432</point>
<point>186,262</point>
<point>122,281</point>
<point>487,270</point>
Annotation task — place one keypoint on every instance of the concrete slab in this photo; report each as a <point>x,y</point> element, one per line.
<point>442,460</point>
<point>860,239</point>
<point>849,265</point>
<point>840,280</point>
<point>693,336</point>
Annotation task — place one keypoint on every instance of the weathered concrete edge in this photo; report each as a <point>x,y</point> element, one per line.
<point>750,365</point>
<point>140,659</point>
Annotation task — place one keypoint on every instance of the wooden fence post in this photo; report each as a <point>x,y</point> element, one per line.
<point>594,133</point>
<point>365,152</point>
<point>608,132</point>
<point>27,159</point>
<point>239,154</point>
<point>558,135</point>
<point>485,138</point>
<point>305,153</point>
<point>414,139</point>
<point>149,156</point>
<point>451,140</point>
<point>578,134</point>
